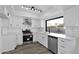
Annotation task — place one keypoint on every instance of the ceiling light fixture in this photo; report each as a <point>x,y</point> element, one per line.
<point>31,8</point>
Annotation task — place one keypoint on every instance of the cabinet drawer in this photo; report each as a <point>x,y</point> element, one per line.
<point>60,51</point>
<point>61,41</point>
<point>61,47</point>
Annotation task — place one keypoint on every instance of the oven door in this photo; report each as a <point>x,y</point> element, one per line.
<point>27,38</point>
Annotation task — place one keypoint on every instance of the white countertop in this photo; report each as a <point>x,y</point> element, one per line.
<point>62,36</point>
<point>57,35</point>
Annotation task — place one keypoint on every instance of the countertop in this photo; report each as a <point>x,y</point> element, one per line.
<point>62,36</point>
<point>57,35</point>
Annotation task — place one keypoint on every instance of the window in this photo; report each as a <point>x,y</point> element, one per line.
<point>55,25</point>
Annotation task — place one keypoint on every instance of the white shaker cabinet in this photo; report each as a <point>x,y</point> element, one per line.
<point>61,45</point>
<point>8,42</point>
<point>8,36</point>
<point>70,46</point>
<point>19,37</point>
<point>44,39</point>
<point>67,45</point>
<point>41,38</point>
<point>35,37</point>
<point>71,16</point>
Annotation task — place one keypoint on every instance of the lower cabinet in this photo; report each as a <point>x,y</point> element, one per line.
<point>61,46</point>
<point>44,39</point>
<point>70,46</point>
<point>36,37</point>
<point>66,46</point>
<point>8,42</point>
<point>19,39</point>
<point>41,38</point>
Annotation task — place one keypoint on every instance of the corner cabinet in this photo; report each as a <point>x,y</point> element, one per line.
<point>41,38</point>
<point>44,39</point>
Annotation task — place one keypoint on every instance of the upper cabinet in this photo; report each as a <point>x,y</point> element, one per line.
<point>1,9</point>
<point>71,16</point>
<point>2,12</point>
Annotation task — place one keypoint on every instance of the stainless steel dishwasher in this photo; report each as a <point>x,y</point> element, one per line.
<point>53,44</point>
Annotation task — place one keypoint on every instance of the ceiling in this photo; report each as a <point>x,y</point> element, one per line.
<point>46,10</point>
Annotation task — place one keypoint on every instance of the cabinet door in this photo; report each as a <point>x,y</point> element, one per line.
<point>61,44</point>
<point>45,40</point>
<point>40,38</point>
<point>71,17</point>
<point>19,39</point>
<point>8,43</point>
<point>35,37</point>
<point>70,46</point>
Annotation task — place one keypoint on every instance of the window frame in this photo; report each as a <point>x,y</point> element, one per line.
<point>49,20</point>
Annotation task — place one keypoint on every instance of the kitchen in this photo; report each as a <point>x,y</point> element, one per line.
<point>55,27</point>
